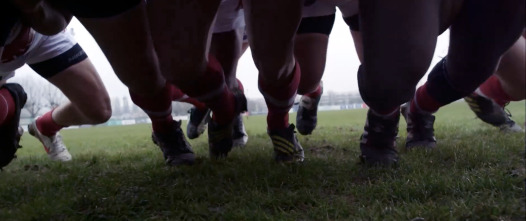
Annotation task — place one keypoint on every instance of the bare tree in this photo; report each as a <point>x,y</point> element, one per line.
<point>116,106</point>
<point>35,89</point>
<point>53,96</point>
<point>180,108</point>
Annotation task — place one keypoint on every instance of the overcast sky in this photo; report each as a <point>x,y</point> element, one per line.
<point>340,71</point>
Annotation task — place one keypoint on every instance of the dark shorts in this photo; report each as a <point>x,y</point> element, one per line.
<point>318,24</point>
<point>353,22</point>
<point>53,66</point>
<point>324,24</point>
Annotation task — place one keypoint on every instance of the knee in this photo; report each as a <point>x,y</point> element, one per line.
<point>143,77</point>
<point>388,91</point>
<point>274,66</point>
<point>387,96</point>
<point>191,72</point>
<point>99,113</point>
<point>276,73</point>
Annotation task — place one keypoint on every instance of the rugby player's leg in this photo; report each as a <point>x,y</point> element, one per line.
<point>470,62</point>
<point>392,66</point>
<point>126,40</point>
<point>271,27</point>
<point>310,51</point>
<point>506,85</point>
<point>12,99</point>
<point>226,46</point>
<point>181,34</point>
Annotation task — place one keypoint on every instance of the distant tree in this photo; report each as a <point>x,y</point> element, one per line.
<point>116,106</point>
<point>125,105</point>
<point>256,105</point>
<point>180,108</point>
<point>35,89</point>
<point>53,96</point>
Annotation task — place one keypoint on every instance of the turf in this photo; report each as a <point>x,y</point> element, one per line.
<point>475,173</point>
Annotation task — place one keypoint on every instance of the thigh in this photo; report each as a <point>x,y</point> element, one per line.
<point>181,35</point>
<point>483,31</point>
<point>398,41</point>
<point>82,85</point>
<point>126,41</point>
<point>310,47</point>
<point>512,70</point>
<point>271,27</point>
<point>348,8</point>
<point>226,47</point>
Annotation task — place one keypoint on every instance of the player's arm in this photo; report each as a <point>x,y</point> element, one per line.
<point>42,16</point>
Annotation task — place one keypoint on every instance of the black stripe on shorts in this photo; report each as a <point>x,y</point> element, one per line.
<point>318,24</point>
<point>53,66</point>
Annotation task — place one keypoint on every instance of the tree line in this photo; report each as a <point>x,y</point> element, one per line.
<point>42,96</point>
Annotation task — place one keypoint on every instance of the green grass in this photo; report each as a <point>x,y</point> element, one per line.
<point>476,173</point>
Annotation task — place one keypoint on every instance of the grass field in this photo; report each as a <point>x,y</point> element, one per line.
<point>476,173</point>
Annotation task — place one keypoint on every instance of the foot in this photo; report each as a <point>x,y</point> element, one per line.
<point>176,150</point>
<point>197,123</point>
<point>490,112</point>
<point>287,149</point>
<point>11,132</point>
<point>54,146</point>
<point>378,141</point>
<point>307,116</point>
<point>220,137</point>
<point>420,131</point>
<point>239,134</point>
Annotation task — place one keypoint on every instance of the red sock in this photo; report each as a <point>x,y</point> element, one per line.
<point>492,88</point>
<point>280,99</point>
<point>197,104</point>
<point>212,91</point>
<point>316,93</point>
<point>178,95</point>
<point>158,108</point>
<point>7,106</point>
<point>223,114</point>
<point>47,126</point>
<point>423,101</point>
<point>175,93</point>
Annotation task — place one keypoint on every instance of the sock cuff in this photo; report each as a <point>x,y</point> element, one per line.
<point>210,85</point>
<point>283,96</point>
<point>492,89</point>
<point>158,104</point>
<point>316,93</point>
<point>423,101</point>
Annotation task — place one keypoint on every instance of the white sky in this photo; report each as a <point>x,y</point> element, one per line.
<point>340,71</point>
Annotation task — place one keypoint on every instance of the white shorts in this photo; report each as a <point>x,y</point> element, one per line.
<point>229,17</point>
<point>42,48</point>
<point>348,8</point>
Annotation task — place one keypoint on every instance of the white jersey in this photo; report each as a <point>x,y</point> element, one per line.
<point>41,48</point>
<point>348,8</point>
<point>230,16</point>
